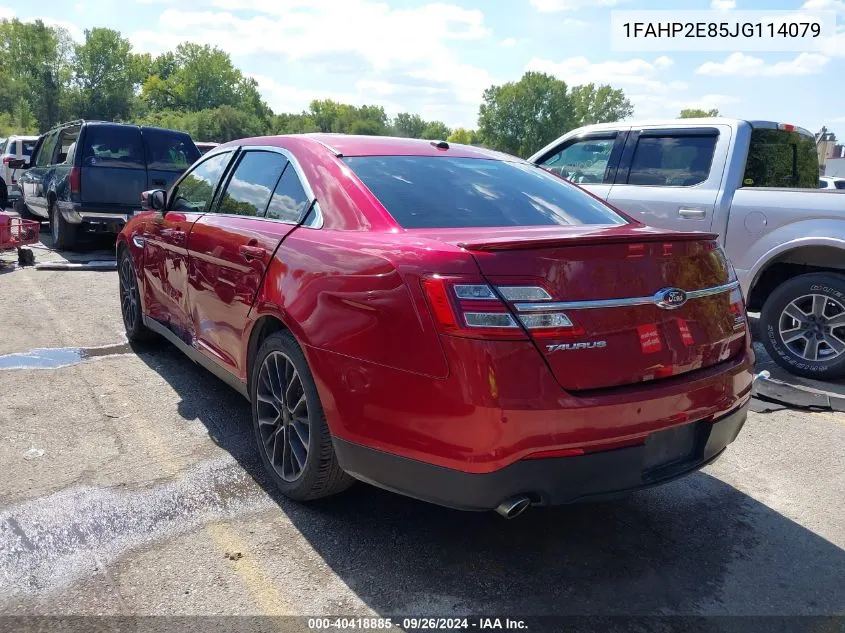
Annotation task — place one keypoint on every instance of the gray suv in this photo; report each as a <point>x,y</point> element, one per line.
<point>89,175</point>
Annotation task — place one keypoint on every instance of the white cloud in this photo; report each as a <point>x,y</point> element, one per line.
<point>825,5</point>
<point>740,64</point>
<point>508,42</point>
<point>575,22</point>
<point>412,49</point>
<point>630,73</point>
<point>554,6</point>
<point>6,13</point>
<point>658,106</point>
<point>723,5</point>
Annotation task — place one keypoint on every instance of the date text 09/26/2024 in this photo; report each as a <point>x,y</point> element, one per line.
<point>416,624</point>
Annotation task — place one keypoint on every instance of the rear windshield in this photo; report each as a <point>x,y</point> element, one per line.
<point>113,146</point>
<point>28,146</point>
<point>777,158</point>
<point>443,192</point>
<point>169,151</point>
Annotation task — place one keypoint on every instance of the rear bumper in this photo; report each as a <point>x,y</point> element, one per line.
<point>106,220</point>
<point>551,481</point>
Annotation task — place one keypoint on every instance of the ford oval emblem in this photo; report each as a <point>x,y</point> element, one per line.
<point>670,298</point>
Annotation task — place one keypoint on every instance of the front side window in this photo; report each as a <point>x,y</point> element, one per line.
<point>250,187</point>
<point>444,192</point>
<point>672,161</point>
<point>195,191</point>
<point>113,146</point>
<point>583,162</point>
<point>289,202</point>
<point>45,154</point>
<point>840,184</point>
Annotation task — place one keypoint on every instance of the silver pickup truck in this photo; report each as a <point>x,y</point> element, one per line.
<point>755,183</point>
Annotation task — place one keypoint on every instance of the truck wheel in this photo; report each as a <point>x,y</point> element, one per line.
<point>4,196</point>
<point>24,212</point>
<point>803,325</point>
<point>64,233</point>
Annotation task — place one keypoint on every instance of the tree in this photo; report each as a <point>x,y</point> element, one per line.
<point>409,125</point>
<point>694,113</point>
<point>463,136</point>
<point>331,116</point>
<point>195,78</point>
<point>599,105</point>
<point>521,117</point>
<point>106,74</point>
<point>436,131</point>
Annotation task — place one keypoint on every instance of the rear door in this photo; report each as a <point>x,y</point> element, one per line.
<point>165,245</point>
<point>589,160</point>
<point>230,249</point>
<point>168,154</point>
<point>113,166</point>
<point>670,177</point>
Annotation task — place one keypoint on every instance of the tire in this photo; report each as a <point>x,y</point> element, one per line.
<point>4,195</point>
<point>64,233</point>
<point>24,212</point>
<point>803,325</point>
<point>279,423</point>
<point>130,300</point>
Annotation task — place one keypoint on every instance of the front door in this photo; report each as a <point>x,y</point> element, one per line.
<point>32,181</point>
<point>165,245</point>
<point>670,178</point>
<point>230,250</point>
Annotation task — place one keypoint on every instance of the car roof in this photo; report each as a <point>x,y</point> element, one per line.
<point>360,145</point>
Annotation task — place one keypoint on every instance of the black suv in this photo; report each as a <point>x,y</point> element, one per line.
<point>89,175</point>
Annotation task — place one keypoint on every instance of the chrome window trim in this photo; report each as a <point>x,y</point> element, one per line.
<point>620,303</point>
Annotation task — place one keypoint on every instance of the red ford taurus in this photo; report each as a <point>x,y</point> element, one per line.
<point>443,321</point>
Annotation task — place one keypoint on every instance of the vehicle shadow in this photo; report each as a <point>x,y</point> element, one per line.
<point>695,546</point>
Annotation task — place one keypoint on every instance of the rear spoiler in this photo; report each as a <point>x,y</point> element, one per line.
<point>609,236</point>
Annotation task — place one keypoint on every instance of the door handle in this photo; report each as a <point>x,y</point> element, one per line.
<point>252,252</point>
<point>692,214</point>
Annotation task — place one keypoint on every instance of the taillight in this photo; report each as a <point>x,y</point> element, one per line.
<point>75,180</point>
<point>8,159</point>
<point>478,310</point>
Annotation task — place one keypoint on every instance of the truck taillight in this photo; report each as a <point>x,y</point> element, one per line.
<point>8,159</point>
<point>75,180</point>
<point>475,310</point>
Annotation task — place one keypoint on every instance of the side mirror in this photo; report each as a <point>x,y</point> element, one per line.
<point>155,199</point>
<point>19,163</point>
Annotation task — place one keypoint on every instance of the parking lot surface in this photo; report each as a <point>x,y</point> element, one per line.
<point>129,485</point>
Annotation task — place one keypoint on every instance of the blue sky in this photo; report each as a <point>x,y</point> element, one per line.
<point>435,57</point>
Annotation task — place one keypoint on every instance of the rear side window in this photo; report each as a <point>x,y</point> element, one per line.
<point>777,158</point>
<point>3,144</point>
<point>443,192</point>
<point>289,201</point>
<point>169,151</point>
<point>672,160</point>
<point>196,189</point>
<point>248,190</point>
<point>28,147</point>
<point>113,146</point>
<point>840,184</point>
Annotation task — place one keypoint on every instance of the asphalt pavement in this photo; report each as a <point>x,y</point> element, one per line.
<point>129,485</point>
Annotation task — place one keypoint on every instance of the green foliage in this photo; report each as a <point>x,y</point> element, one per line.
<point>599,105</point>
<point>105,75</point>
<point>436,131</point>
<point>409,125</point>
<point>464,136</point>
<point>521,117</point>
<point>695,113</point>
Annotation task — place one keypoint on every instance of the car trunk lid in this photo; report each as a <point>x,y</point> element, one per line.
<point>643,303</point>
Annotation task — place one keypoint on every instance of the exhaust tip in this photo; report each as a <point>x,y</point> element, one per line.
<point>513,507</point>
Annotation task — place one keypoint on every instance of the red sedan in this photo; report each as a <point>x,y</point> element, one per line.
<point>443,321</point>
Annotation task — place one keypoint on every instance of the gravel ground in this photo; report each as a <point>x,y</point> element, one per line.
<point>129,485</point>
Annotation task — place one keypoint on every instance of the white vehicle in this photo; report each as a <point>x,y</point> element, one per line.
<point>829,182</point>
<point>12,149</point>
<point>753,183</point>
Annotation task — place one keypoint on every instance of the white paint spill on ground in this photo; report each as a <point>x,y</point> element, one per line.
<point>50,542</point>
